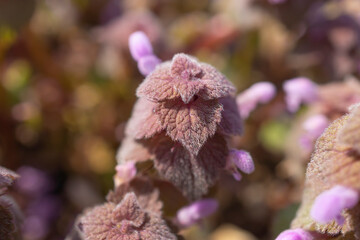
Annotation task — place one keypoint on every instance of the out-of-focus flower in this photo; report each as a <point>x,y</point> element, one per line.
<point>239,159</point>
<point>294,234</point>
<point>126,220</point>
<point>7,178</point>
<point>124,172</point>
<point>261,92</point>
<point>184,113</point>
<point>33,181</point>
<point>329,205</point>
<point>314,126</point>
<point>147,64</point>
<point>8,221</point>
<point>333,163</point>
<point>141,50</point>
<point>196,211</point>
<point>299,90</point>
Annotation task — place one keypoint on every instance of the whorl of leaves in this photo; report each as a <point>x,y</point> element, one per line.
<point>335,161</point>
<point>185,111</point>
<point>124,221</point>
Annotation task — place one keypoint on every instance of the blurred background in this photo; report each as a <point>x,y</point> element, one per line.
<point>67,87</point>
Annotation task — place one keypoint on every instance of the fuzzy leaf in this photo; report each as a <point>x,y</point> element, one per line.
<point>231,123</point>
<point>7,177</point>
<point>7,219</point>
<point>133,150</point>
<point>350,133</point>
<point>193,175</point>
<point>143,122</point>
<point>331,164</point>
<point>216,84</point>
<point>125,221</point>
<point>185,78</point>
<point>190,124</point>
<point>146,194</point>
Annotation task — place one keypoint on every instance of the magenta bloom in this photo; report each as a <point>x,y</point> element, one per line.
<point>239,159</point>
<point>299,90</point>
<point>141,50</point>
<point>329,205</point>
<point>124,173</point>
<point>295,234</point>
<point>139,45</point>
<point>261,92</point>
<point>314,126</point>
<point>196,211</point>
<point>184,114</point>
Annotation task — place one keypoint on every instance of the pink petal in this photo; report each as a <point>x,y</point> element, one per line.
<point>242,160</point>
<point>147,64</point>
<point>196,211</point>
<point>295,234</point>
<point>124,173</point>
<point>315,125</point>
<point>329,205</point>
<point>299,90</point>
<point>261,92</point>
<point>139,45</point>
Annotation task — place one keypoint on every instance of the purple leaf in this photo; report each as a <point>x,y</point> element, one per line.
<point>231,123</point>
<point>193,175</point>
<point>299,90</point>
<point>124,221</point>
<point>329,205</point>
<point>184,78</point>
<point>144,122</point>
<point>190,124</point>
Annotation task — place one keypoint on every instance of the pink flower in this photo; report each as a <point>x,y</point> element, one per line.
<point>141,50</point>
<point>295,234</point>
<point>239,159</point>
<point>124,172</point>
<point>330,204</point>
<point>299,90</point>
<point>276,1</point>
<point>261,92</point>
<point>185,111</point>
<point>147,64</point>
<point>7,178</point>
<point>196,211</point>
